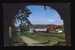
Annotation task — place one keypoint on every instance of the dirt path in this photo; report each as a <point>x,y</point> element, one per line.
<point>30,41</point>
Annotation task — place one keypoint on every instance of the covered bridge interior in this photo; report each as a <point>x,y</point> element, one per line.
<point>9,12</point>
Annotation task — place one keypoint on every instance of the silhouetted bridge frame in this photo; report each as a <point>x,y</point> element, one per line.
<point>9,12</point>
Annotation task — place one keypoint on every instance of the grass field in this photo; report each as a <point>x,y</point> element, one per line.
<point>44,37</point>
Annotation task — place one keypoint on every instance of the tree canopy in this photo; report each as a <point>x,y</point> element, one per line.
<point>22,17</point>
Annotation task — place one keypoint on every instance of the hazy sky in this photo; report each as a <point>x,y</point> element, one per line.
<point>41,16</point>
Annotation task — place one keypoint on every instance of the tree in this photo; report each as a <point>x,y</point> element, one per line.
<point>22,17</point>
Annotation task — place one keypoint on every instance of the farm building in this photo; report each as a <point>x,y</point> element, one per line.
<point>44,28</point>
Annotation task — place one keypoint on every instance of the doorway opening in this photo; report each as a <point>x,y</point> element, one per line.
<point>38,25</point>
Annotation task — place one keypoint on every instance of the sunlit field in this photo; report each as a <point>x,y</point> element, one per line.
<point>48,38</point>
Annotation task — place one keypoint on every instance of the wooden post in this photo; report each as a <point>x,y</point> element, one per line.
<point>67,24</point>
<point>9,12</point>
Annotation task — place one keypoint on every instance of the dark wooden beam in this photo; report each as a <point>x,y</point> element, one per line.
<point>9,12</point>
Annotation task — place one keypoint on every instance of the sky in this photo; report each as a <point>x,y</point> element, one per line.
<point>41,16</point>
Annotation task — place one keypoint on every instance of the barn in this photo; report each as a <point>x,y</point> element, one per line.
<point>44,28</point>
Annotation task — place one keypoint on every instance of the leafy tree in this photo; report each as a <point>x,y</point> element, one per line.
<point>22,17</point>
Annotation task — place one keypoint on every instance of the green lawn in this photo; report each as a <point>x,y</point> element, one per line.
<point>52,37</point>
<point>44,37</point>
